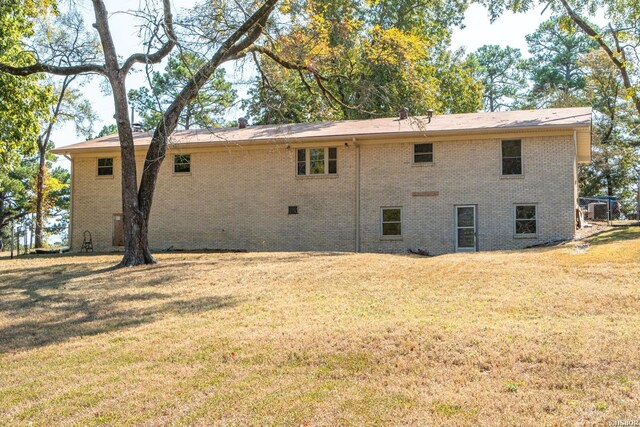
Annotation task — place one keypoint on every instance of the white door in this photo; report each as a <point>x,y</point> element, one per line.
<point>466,228</point>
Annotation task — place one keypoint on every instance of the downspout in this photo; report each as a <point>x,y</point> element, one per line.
<point>575,180</point>
<point>357,194</point>
<point>71,200</point>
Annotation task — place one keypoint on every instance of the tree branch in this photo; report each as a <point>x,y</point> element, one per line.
<point>604,46</point>
<point>52,69</point>
<point>164,50</point>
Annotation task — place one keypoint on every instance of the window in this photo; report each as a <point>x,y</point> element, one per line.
<point>317,161</point>
<point>526,220</point>
<point>293,210</point>
<point>105,167</point>
<point>512,157</point>
<point>182,163</point>
<point>391,222</point>
<point>423,153</point>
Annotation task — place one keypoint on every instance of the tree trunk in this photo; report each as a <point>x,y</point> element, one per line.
<point>42,170</point>
<point>136,243</point>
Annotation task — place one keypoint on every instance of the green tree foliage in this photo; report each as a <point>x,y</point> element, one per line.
<point>556,48</point>
<point>619,38</point>
<point>24,104</point>
<point>361,59</point>
<point>205,111</point>
<point>503,73</point>
<point>23,101</point>
<point>615,155</point>
<point>107,130</point>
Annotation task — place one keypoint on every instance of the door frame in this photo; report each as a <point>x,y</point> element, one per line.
<point>475,228</point>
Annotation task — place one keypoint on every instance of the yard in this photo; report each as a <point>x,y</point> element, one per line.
<point>537,337</point>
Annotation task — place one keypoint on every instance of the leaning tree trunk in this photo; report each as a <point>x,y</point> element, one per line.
<point>42,171</point>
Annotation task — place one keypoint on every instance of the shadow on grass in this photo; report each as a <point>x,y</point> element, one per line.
<point>49,305</point>
<point>615,235</point>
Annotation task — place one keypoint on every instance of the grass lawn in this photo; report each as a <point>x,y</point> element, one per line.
<point>547,336</point>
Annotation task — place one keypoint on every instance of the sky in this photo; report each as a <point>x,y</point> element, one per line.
<point>508,30</point>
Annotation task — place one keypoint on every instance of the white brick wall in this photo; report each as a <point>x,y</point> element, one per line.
<point>237,197</point>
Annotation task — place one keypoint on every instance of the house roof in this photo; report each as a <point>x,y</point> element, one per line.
<point>567,118</point>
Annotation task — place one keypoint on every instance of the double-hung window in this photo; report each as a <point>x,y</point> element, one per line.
<point>317,161</point>
<point>105,167</point>
<point>526,217</point>
<point>392,222</point>
<point>182,163</point>
<point>512,157</point>
<point>423,153</point>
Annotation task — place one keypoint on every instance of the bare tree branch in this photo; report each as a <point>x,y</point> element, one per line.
<point>164,50</point>
<point>618,58</point>
<point>52,69</point>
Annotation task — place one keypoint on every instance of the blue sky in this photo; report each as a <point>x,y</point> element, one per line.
<point>509,30</point>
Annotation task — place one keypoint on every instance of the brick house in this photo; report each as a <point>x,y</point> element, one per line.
<point>464,182</point>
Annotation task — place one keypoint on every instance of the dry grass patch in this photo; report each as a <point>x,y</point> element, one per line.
<point>537,337</point>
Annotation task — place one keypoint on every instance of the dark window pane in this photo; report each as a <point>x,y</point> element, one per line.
<point>302,154</point>
<point>466,238</point>
<point>392,229</point>
<point>525,212</point>
<point>105,170</point>
<point>105,162</point>
<point>511,148</point>
<point>333,153</point>
<point>423,148</point>
<point>302,168</point>
<point>293,210</point>
<point>512,166</point>
<point>423,158</point>
<point>333,166</point>
<point>391,215</point>
<point>182,163</point>
<point>526,226</point>
<point>465,217</point>
<point>181,168</point>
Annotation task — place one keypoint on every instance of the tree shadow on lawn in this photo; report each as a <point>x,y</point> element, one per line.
<point>48,306</point>
<point>617,234</point>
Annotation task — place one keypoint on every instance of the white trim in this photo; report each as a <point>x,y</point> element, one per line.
<point>475,228</point>
<point>174,164</point>
<point>413,154</point>
<point>515,219</point>
<point>113,167</point>
<point>512,175</point>
<point>307,162</point>
<point>382,222</point>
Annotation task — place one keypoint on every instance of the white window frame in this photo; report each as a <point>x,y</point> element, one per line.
<point>513,175</point>
<point>413,154</point>
<point>457,227</point>
<point>515,221</point>
<point>174,164</point>
<point>382,222</point>
<point>307,161</point>
<point>98,167</point>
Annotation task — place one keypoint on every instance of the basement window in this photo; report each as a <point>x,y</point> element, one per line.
<point>423,153</point>
<point>105,167</point>
<point>512,157</point>
<point>526,220</point>
<point>317,161</point>
<point>391,222</point>
<point>182,163</point>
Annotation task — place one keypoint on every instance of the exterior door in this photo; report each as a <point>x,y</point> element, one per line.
<point>466,228</point>
<point>118,230</point>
